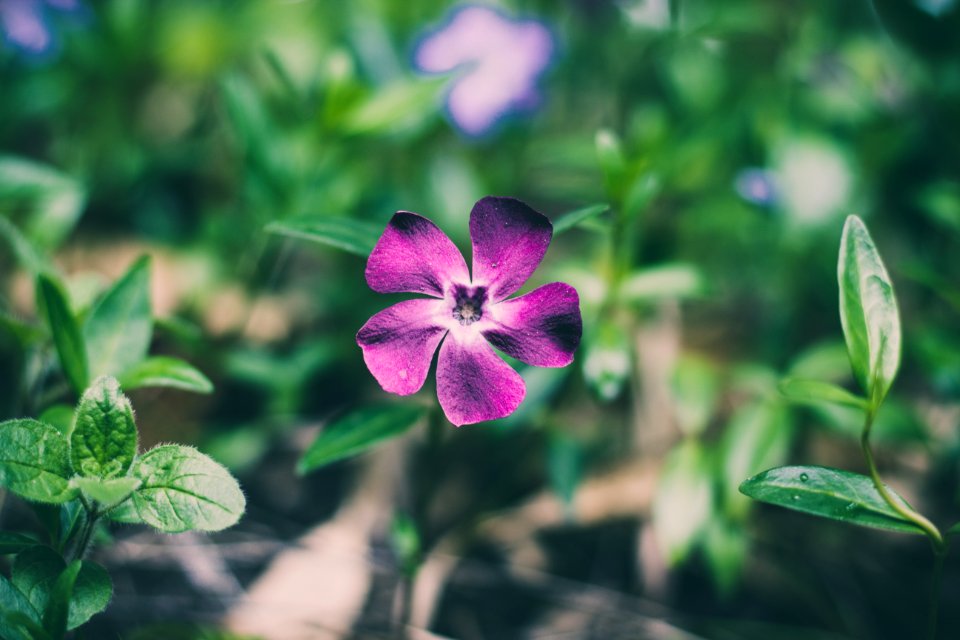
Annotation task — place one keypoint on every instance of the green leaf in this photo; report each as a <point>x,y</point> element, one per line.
<point>91,594</point>
<point>59,416</point>
<point>58,602</point>
<point>27,255</point>
<point>11,542</point>
<point>108,492</point>
<point>353,236</point>
<point>55,310</point>
<point>401,106</point>
<point>757,437</point>
<point>725,550</point>
<point>815,392</point>
<point>565,465</point>
<point>829,493</point>
<point>356,432</point>
<point>571,219</point>
<point>55,200</point>
<point>35,461</point>
<point>120,327</point>
<point>683,503</point>
<point>182,490</point>
<point>163,371</point>
<point>405,540</point>
<point>868,312</point>
<point>954,530</point>
<point>695,388</point>
<point>15,608</point>
<point>103,442</point>
<point>20,626</point>
<point>678,280</point>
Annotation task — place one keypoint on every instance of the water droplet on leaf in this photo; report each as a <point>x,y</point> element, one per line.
<point>804,477</point>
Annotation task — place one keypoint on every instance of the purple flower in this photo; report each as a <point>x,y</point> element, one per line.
<point>25,24</point>
<point>501,61</point>
<point>467,315</point>
<point>757,186</point>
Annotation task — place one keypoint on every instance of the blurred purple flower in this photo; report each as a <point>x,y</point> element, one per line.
<point>25,24</point>
<point>757,186</point>
<point>500,59</point>
<point>541,328</point>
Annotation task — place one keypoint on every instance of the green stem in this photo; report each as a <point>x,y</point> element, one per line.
<point>86,533</point>
<point>935,594</point>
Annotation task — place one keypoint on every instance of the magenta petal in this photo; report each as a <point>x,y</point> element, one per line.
<point>509,240</point>
<point>414,256</point>
<point>474,384</point>
<point>399,342</point>
<point>541,328</point>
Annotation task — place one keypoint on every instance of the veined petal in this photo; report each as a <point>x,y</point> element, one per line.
<point>509,241</point>
<point>542,327</point>
<point>399,342</point>
<point>474,384</point>
<point>414,256</point>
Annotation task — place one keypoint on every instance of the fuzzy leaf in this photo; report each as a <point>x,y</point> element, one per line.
<point>35,461</point>
<point>58,601</point>
<point>53,307</point>
<point>868,312</point>
<point>182,489</point>
<point>163,371</point>
<point>109,491</point>
<point>120,327</point>
<point>36,572</point>
<point>103,442</point>
<point>12,600</point>
<point>356,432</point>
<point>829,493</point>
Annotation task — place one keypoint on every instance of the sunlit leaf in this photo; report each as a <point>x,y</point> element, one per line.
<point>868,312</point>
<point>120,327</point>
<point>346,234</point>
<point>103,442</point>
<point>814,392</point>
<point>107,491</point>
<point>164,371</point>
<point>182,489</point>
<point>828,493</point>
<point>55,310</point>
<point>571,219</point>
<point>35,461</point>
<point>357,432</point>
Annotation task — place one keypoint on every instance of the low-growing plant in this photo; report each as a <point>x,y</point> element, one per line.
<point>871,328</point>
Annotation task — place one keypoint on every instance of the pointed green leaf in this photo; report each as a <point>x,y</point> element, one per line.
<point>353,236</point>
<point>16,609</point>
<point>59,416</point>
<point>954,530</point>
<point>58,602</point>
<point>163,371</point>
<point>108,492</point>
<point>356,432</point>
<point>571,219</point>
<point>11,542</point>
<point>829,493</point>
<point>35,461</point>
<point>54,199</point>
<point>91,594</point>
<point>53,307</point>
<point>20,626</point>
<point>103,442</point>
<point>815,392</point>
<point>27,255</point>
<point>181,490</point>
<point>868,312</point>
<point>120,327</point>
<point>683,503</point>
<point>36,572</point>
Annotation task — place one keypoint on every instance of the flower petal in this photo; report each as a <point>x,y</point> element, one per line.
<point>541,328</point>
<point>474,384</point>
<point>509,240</point>
<point>399,342</point>
<point>413,255</point>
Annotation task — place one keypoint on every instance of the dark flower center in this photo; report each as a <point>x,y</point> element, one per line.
<point>468,303</point>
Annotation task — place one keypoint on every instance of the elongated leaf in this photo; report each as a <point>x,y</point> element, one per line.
<point>103,442</point>
<point>35,461</point>
<point>12,601</point>
<point>815,392</point>
<point>868,312</point>
<point>401,106</point>
<point>120,327</point>
<point>53,307</point>
<point>20,626</point>
<point>695,387</point>
<point>27,255</point>
<point>11,542</point>
<point>677,280</point>
<point>683,503</point>
<point>352,236</point>
<point>55,199</point>
<point>164,371</point>
<point>573,218</point>
<point>58,602</point>
<point>182,490</point>
<point>356,432</point>
<point>829,493</point>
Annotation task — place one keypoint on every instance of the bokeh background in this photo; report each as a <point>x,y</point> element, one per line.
<point>716,148</point>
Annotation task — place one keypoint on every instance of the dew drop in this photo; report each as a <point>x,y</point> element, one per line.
<point>804,477</point>
<point>796,496</point>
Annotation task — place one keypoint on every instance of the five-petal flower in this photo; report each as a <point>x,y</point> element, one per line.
<point>467,314</point>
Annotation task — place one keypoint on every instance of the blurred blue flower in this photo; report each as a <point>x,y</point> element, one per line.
<point>25,24</point>
<point>500,61</point>
<point>757,186</point>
